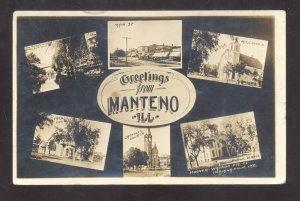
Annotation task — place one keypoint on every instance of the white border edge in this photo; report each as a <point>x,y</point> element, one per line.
<point>280,96</point>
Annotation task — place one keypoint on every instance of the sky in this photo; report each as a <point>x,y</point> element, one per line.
<point>160,137</point>
<point>144,33</point>
<point>252,50</point>
<point>48,131</point>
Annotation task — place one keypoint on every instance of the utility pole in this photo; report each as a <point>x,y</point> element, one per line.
<point>126,46</point>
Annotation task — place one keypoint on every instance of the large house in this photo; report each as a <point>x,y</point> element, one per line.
<point>63,149</point>
<point>213,149</point>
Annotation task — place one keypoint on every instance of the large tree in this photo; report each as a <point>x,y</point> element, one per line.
<point>37,139</point>
<point>37,76</point>
<point>228,135</point>
<point>240,134</point>
<point>239,68</point>
<point>81,133</point>
<point>69,54</point>
<point>245,129</point>
<point>202,43</point>
<point>51,145</point>
<point>42,119</point>
<point>195,139</point>
<point>135,157</point>
<point>119,53</point>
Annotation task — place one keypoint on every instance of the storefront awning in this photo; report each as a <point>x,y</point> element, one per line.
<point>160,54</point>
<point>175,54</point>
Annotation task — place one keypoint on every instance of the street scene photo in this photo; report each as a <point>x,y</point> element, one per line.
<point>220,141</point>
<point>146,151</point>
<point>70,141</point>
<point>227,58</point>
<point>145,43</point>
<point>51,64</point>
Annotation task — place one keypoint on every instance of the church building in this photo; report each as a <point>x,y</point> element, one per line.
<point>233,55</point>
<point>153,161</point>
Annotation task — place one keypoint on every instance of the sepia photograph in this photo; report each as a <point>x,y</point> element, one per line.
<point>146,151</point>
<point>227,58</point>
<point>70,141</point>
<point>145,43</point>
<point>52,63</point>
<point>220,141</point>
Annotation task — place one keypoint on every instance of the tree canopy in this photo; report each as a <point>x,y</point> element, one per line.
<point>42,119</point>
<point>69,54</point>
<point>135,157</point>
<point>37,140</point>
<point>119,53</point>
<point>202,43</point>
<point>195,139</point>
<point>37,76</point>
<point>51,145</point>
<point>80,132</point>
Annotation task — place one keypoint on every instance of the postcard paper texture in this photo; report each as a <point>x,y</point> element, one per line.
<point>148,97</point>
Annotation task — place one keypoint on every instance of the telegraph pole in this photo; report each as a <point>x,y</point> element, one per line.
<point>126,46</point>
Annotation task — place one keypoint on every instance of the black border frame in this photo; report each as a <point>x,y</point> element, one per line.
<point>288,191</point>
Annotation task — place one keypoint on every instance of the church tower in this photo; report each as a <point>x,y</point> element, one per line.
<point>148,143</point>
<point>155,158</point>
<point>235,51</point>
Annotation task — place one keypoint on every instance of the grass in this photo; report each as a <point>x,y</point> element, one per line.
<point>147,173</point>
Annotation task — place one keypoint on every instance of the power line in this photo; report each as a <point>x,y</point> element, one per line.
<point>126,46</point>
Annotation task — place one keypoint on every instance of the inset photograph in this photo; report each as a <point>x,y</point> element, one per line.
<point>227,58</point>
<point>146,152</point>
<point>145,43</point>
<point>52,63</point>
<point>70,141</point>
<point>220,141</point>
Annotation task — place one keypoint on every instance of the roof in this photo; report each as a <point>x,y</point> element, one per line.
<point>176,49</point>
<point>160,54</point>
<point>250,61</point>
<point>175,54</point>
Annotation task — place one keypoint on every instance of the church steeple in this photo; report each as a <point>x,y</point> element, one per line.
<point>148,142</point>
<point>235,51</point>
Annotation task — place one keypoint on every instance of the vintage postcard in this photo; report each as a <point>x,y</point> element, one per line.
<point>227,58</point>
<point>70,141</point>
<point>51,63</point>
<point>189,97</point>
<point>145,43</point>
<point>220,141</point>
<point>146,151</point>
